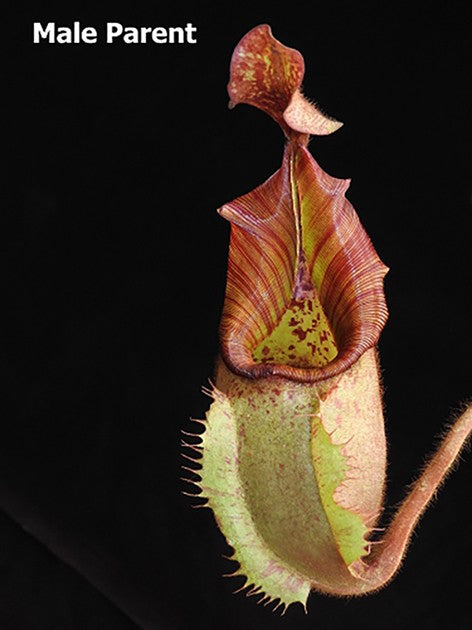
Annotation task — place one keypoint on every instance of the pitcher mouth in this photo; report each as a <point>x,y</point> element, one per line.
<point>304,296</point>
<point>241,360</point>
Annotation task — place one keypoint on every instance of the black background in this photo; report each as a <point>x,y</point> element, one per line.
<point>117,261</point>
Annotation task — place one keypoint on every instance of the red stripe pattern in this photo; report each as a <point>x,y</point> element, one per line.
<point>345,270</point>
